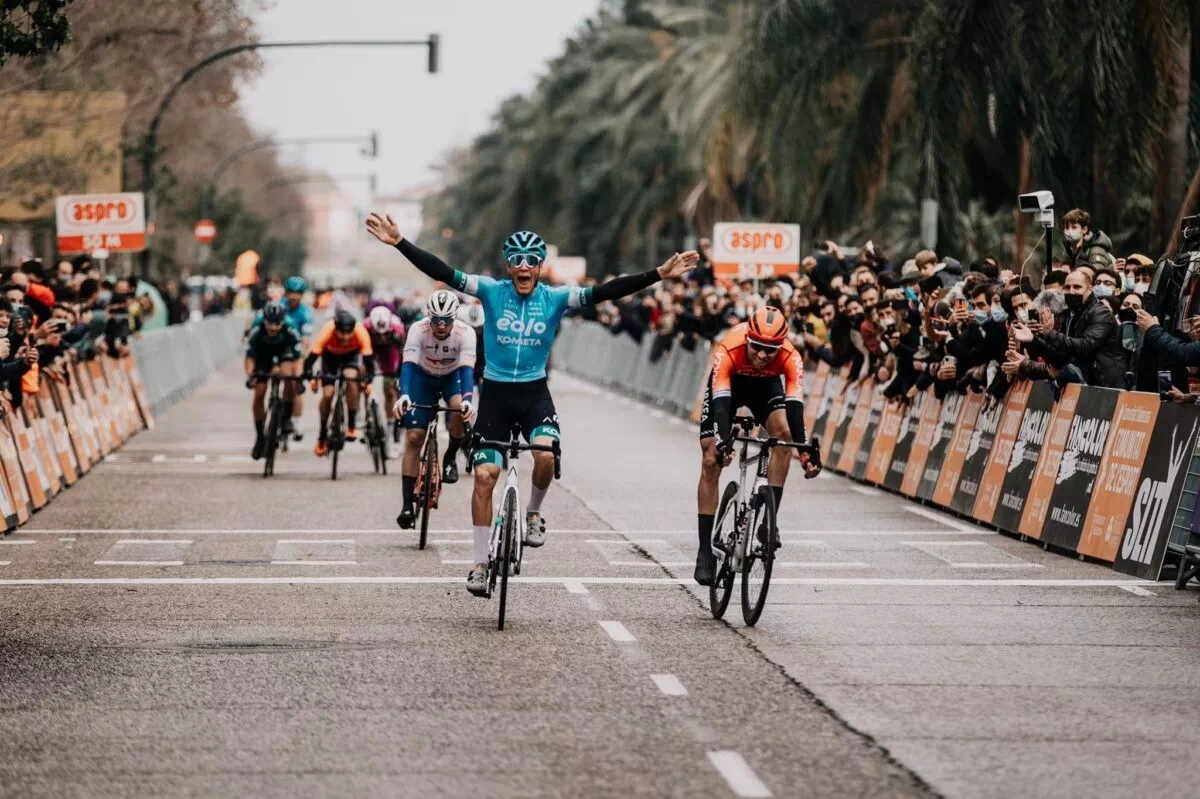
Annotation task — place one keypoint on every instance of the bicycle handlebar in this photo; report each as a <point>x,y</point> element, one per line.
<point>436,408</point>
<point>812,449</point>
<point>515,447</point>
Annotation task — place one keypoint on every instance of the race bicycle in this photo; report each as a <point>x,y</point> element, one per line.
<point>745,535</point>
<point>508,531</point>
<point>278,413</point>
<point>429,479</point>
<point>375,437</point>
<point>336,436</point>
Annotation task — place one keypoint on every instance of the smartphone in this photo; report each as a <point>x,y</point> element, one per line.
<point>811,328</point>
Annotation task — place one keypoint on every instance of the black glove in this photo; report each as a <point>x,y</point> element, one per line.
<point>250,382</point>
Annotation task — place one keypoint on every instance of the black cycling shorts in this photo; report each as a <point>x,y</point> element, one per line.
<point>333,365</point>
<point>761,395</point>
<point>265,362</point>
<point>503,405</point>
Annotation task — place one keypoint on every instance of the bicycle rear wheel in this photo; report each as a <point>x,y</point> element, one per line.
<point>272,438</point>
<point>429,466</point>
<point>720,592</point>
<point>759,557</point>
<point>508,538</point>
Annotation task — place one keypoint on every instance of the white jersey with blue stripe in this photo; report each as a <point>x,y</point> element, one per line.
<point>518,331</point>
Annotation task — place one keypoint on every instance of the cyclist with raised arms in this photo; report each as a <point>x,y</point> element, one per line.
<point>387,340</point>
<point>273,346</point>
<point>754,366</point>
<point>521,316</point>
<point>344,348</point>
<point>439,361</point>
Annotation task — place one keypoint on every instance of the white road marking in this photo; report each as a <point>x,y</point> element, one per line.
<point>669,684</point>
<point>787,535</point>
<point>458,561</point>
<point>200,458</point>
<point>180,541</point>
<point>666,582</point>
<point>617,632</point>
<point>448,541</point>
<point>866,491</point>
<point>314,563</point>
<point>575,587</point>
<point>942,518</point>
<point>138,563</point>
<point>68,540</point>
<point>316,541</point>
<point>159,459</point>
<point>1137,590</point>
<point>5,562</point>
<point>16,543</point>
<point>624,541</point>
<point>997,566</point>
<point>946,543</point>
<point>737,772</point>
<point>235,459</point>
<point>783,564</point>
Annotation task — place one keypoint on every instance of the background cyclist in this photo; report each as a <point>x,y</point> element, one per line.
<point>521,316</point>
<point>439,362</point>
<point>300,317</point>
<point>344,348</point>
<point>273,347</point>
<point>753,366</point>
<point>387,340</point>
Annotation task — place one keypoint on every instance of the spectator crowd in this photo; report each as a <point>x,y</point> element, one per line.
<point>932,321</point>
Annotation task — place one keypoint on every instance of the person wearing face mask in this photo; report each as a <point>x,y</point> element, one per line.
<point>1085,336</point>
<point>1084,246</point>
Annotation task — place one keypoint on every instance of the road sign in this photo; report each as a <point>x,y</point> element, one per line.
<point>749,250</point>
<point>113,222</point>
<point>205,231</point>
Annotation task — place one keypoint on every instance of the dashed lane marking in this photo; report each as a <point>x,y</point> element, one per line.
<point>669,684</point>
<point>67,540</point>
<point>137,563</point>
<point>159,459</point>
<point>997,566</point>
<point>574,587</point>
<point>316,541</point>
<point>942,518</point>
<point>1137,590</point>
<point>17,543</point>
<point>5,562</point>
<point>179,541</point>
<point>737,772</point>
<point>617,632</point>
<point>314,563</point>
<point>888,582</point>
<point>458,562</point>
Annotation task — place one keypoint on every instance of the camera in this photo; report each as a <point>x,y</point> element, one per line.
<point>1040,204</point>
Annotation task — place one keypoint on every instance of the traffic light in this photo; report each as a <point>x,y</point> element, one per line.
<point>434,41</point>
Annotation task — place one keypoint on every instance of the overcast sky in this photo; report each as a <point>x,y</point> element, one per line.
<point>490,49</point>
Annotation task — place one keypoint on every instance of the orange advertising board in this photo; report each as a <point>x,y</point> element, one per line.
<point>1042,488</point>
<point>920,448</point>
<point>751,250</point>
<point>858,426</point>
<point>1117,481</point>
<point>956,453</point>
<point>885,442</point>
<point>1006,438</point>
<point>813,402</point>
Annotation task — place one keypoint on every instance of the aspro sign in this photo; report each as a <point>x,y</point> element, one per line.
<point>749,250</point>
<point>90,222</point>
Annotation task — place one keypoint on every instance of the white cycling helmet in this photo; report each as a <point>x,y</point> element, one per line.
<point>381,319</point>
<point>442,304</point>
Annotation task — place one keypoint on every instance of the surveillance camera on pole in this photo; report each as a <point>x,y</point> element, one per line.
<point>1041,205</point>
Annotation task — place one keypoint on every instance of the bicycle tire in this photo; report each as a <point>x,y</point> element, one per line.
<point>336,432</point>
<point>271,439</point>
<point>430,464</point>
<point>758,554</point>
<point>380,437</point>
<point>721,591</point>
<point>508,538</point>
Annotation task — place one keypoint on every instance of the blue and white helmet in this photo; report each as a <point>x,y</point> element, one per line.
<point>525,242</point>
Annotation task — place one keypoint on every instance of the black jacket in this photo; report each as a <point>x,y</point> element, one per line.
<point>1091,339</point>
<point>1170,350</point>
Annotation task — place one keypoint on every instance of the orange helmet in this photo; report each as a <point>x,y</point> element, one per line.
<point>768,327</point>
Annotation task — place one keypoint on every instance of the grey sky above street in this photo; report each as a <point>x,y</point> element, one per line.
<point>491,49</point>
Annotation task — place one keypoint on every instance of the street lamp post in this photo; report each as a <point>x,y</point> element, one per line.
<point>150,149</point>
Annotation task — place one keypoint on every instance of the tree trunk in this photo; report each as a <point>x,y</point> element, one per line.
<point>1189,203</point>
<point>1169,187</point>
<point>1022,219</point>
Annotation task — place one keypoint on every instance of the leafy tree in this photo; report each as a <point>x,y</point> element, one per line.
<point>32,27</point>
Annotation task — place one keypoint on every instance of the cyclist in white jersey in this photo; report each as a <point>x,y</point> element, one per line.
<point>439,362</point>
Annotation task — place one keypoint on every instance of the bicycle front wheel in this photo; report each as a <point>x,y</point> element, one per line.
<point>429,466</point>
<point>759,556</point>
<point>271,433</point>
<point>725,529</point>
<point>508,540</point>
<point>337,432</point>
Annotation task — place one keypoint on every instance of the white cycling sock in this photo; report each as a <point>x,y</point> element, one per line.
<point>536,495</point>
<point>482,535</point>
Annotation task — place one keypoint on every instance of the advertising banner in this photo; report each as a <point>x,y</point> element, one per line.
<point>1148,522</point>
<point>941,433</point>
<point>858,428</point>
<point>862,458</point>
<point>997,462</point>
<point>1117,481</point>
<point>979,452</point>
<point>923,438</point>
<point>1079,466</point>
<point>886,437</point>
<point>819,378</point>
<point>829,415</point>
<point>841,420</point>
<point>751,250</point>
<point>1023,460</point>
<point>950,468</point>
<point>1037,504</point>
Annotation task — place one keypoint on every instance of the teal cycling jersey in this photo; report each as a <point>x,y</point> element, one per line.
<point>299,319</point>
<point>518,331</point>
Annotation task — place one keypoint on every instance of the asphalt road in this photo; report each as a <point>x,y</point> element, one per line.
<point>175,625</point>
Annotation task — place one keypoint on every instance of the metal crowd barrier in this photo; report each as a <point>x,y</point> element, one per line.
<point>175,360</point>
<point>590,351</point>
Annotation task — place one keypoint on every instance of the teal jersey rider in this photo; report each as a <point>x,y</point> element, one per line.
<point>299,319</point>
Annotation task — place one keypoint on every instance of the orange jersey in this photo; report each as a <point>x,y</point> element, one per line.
<point>729,358</point>
<point>327,341</point>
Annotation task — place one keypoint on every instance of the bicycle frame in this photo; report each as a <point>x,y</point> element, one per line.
<point>741,504</point>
